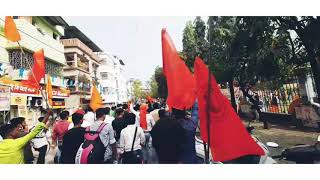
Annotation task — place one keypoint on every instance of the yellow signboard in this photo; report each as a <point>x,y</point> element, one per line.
<point>18,100</point>
<point>22,111</point>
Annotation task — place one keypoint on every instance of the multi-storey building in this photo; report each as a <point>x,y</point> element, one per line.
<point>36,33</point>
<point>81,67</point>
<point>112,79</point>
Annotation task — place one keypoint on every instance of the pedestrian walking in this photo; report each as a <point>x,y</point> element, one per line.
<point>72,140</point>
<point>119,123</point>
<point>22,125</point>
<point>109,118</point>
<point>168,138</point>
<point>190,126</point>
<point>59,129</point>
<point>155,112</point>
<point>146,123</point>
<point>132,139</point>
<point>104,148</point>
<point>40,143</point>
<point>11,148</point>
<point>88,118</point>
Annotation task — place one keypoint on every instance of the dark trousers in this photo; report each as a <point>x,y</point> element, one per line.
<point>42,154</point>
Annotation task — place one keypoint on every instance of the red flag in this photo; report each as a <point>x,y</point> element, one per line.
<point>228,137</point>
<point>143,116</point>
<point>10,30</point>
<point>180,81</point>
<point>38,69</point>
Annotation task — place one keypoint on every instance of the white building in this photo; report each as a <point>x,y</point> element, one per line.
<point>112,80</point>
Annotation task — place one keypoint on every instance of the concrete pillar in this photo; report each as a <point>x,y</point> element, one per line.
<point>75,59</point>
<point>76,82</point>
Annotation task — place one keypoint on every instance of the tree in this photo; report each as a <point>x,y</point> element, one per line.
<point>137,89</point>
<point>307,42</point>
<point>153,86</point>
<point>189,44</point>
<point>194,41</point>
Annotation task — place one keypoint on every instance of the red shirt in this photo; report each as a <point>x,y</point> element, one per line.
<point>59,129</point>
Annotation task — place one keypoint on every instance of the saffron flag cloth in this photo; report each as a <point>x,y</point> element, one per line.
<point>10,30</point>
<point>180,81</point>
<point>96,100</point>
<point>143,116</point>
<point>49,90</point>
<point>37,71</point>
<point>150,100</point>
<point>229,138</point>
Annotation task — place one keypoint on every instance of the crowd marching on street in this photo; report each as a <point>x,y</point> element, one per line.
<point>109,135</point>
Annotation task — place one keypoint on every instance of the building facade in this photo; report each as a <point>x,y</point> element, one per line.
<point>82,64</point>
<point>36,33</point>
<point>112,79</point>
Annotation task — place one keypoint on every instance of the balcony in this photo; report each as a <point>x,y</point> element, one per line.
<point>33,39</point>
<point>78,44</point>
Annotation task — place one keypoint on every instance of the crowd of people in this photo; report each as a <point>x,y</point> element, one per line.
<point>109,135</point>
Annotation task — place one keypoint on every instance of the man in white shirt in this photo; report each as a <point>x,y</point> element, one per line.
<point>135,111</point>
<point>108,118</point>
<point>40,144</point>
<point>132,139</point>
<point>89,118</point>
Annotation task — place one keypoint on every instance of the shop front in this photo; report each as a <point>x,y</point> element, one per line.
<point>27,101</point>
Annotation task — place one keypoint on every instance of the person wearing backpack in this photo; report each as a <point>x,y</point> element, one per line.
<point>132,139</point>
<point>99,146</point>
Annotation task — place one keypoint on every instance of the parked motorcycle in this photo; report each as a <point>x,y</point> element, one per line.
<point>302,153</point>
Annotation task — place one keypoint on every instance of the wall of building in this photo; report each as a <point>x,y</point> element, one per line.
<point>33,40</point>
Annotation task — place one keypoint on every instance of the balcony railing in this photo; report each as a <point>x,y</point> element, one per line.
<point>77,43</point>
<point>72,64</point>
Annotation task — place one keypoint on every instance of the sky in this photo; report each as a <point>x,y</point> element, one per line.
<point>136,40</point>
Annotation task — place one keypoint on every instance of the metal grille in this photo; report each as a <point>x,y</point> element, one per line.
<point>19,60</point>
<point>53,68</point>
<point>276,98</point>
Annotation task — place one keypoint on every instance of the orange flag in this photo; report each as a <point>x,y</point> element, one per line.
<point>96,100</point>
<point>49,90</point>
<point>143,116</point>
<point>228,137</point>
<point>180,81</point>
<point>10,30</point>
<point>38,70</point>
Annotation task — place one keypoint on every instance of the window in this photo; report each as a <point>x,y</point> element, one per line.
<point>104,75</point>
<point>15,17</point>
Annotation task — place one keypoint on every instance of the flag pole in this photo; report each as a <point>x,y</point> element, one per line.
<point>43,96</point>
<point>207,151</point>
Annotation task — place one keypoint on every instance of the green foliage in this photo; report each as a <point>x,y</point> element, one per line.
<point>137,89</point>
<point>153,86</point>
<point>194,41</point>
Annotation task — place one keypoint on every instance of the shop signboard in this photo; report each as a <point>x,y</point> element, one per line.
<point>4,98</point>
<point>18,100</point>
<point>22,111</point>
